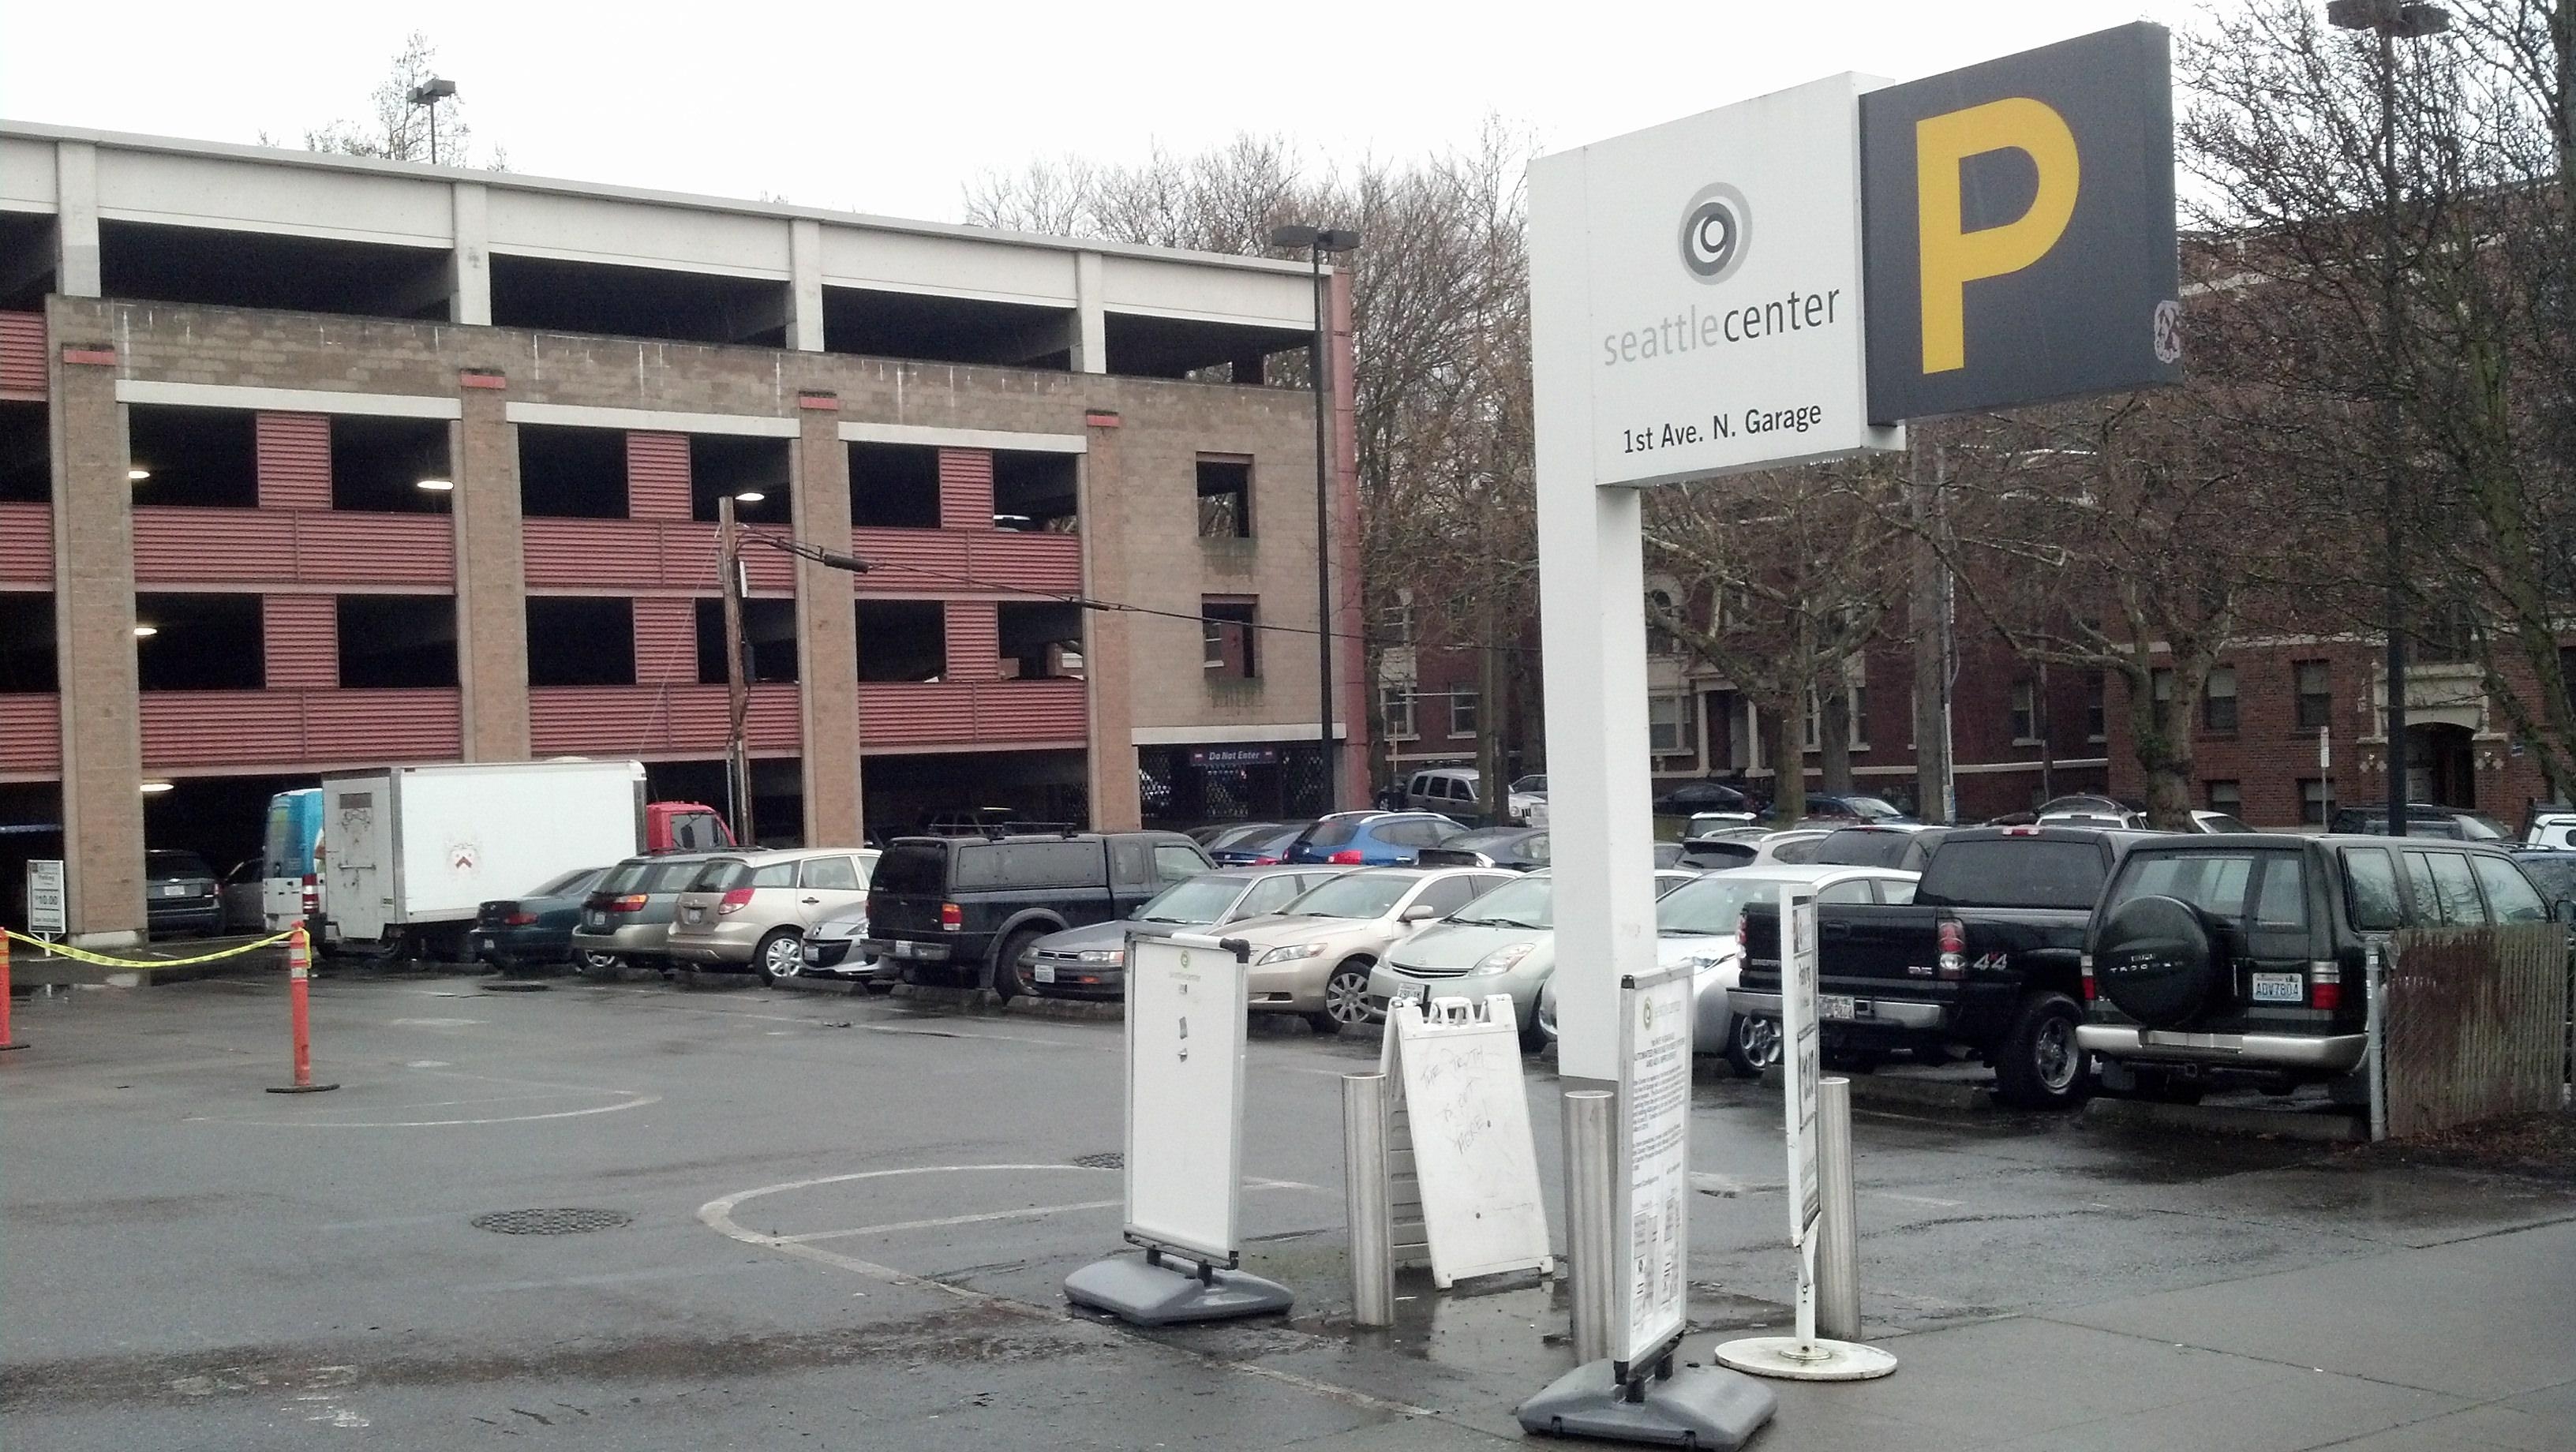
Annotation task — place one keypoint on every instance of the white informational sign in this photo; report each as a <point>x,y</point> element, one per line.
<point>1186,1000</point>
<point>1802,1057</point>
<point>48,903</point>
<point>1695,291</point>
<point>1653,1172</point>
<point>1458,1069</point>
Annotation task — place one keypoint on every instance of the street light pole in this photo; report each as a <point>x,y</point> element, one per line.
<point>1317,241</point>
<point>429,93</point>
<point>737,686</point>
<point>2392,21</point>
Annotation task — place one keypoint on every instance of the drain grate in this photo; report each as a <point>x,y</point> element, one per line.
<point>551,1222</point>
<point>1110,1160</point>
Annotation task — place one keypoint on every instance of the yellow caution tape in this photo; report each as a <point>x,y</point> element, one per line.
<point>78,955</point>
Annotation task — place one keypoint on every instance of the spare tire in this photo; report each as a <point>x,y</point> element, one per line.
<point>2157,961</point>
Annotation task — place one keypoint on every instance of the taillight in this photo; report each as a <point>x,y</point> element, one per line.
<point>632,902</point>
<point>1954,949</point>
<point>2325,985</point>
<point>1743,934</point>
<point>2084,965</point>
<point>734,901</point>
<point>520,920</point>
<point>1348,857</point>
<point>2021,831</point>
<point>1267,861</point>
<point>951,917</point>
<point>312,894</point>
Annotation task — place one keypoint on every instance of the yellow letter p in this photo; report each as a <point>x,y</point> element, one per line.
<point>1952,258</point>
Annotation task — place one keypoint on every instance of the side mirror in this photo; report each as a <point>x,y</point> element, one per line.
<point>1421,912</point>
<point>2566,910</point>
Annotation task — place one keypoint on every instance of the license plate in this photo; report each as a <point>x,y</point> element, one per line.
<point>2280,988</point>
<point>595,920</point>
<point>1045,973</point>
<point>906,948</point>
<point>697,915</point>
<point>1835,1006</point>
<point>174,889</point>
<point>484,943</point>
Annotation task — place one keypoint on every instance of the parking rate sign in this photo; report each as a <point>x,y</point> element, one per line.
<point>1654,1161</point>
<point>1803,1060</point>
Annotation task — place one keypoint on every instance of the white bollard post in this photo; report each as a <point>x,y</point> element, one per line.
<point>1590,1237</point>
<point>1838,1248</point>
<point>1366,1199</point>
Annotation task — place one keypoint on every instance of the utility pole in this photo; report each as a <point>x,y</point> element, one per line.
<point>737,685</point>
<point>1928,613</point>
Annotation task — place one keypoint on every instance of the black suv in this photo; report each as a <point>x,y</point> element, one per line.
<point>2247,955</point>
<point>965,910</point>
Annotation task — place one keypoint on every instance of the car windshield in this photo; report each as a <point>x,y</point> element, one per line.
<point>1360,895</point>
<point>1522,904</point>
<point>1196,902</point>
<point>2221,822</point>
<point>1239,833</point>
<point>1877,809</point>
<point>569,882</point>
<point>2556,875</point>
<point>1496,840</point>
<point>175,864</point>
<point>1530,784</point>
<point>1709,907</point>
<point>719,875</point>
<point>1331,832</point>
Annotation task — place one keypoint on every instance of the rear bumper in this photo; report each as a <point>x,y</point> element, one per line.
<point>712,943</point>
<point>1867,1013</point>
<point>198,915</point>
<point>637,939</point>
<point>911,950</point>
<point>2324,1053</point>
<point>519,945</point>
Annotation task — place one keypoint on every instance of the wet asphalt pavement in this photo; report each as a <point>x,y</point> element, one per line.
<point>844,1222</point>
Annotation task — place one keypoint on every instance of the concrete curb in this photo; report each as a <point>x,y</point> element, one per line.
<point>1088,1011</point>
<point>1896,1091</point>
<point>2309,1127</point>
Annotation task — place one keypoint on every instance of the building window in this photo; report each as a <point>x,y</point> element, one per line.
<point>1668,726</point>
<point>1225,498</point>
<point>1395,708</point>
<point>2218,700</point>
<point>1227,628</point>
<point>2160,696</point>
<point>1399,621</point>
<point>1462,712</point>
<point>1860,718</point>
<point>2316,800</point>
<point>2097,706</point>
<point>2224,796</point>
<point>2314,680</point>
<point>1659,641</point>
<point>2025,711</point>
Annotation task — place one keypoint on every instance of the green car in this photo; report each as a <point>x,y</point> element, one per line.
<point>519,932</point>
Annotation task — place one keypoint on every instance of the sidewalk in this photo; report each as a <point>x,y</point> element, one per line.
<point>2460,1346</point>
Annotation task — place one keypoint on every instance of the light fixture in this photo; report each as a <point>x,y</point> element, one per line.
<point>438,486</point>
<point>748,496</point>
<point>155,788</point>
<point>146,632</point>
<point>137,476</point>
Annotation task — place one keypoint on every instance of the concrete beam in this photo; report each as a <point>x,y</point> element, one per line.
<point>1091,318</point>
<point>827,631</point>
<point>76,255</point>
<point>469,263</point>
<point>805,285</point>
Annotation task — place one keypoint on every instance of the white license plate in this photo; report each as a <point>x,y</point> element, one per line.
<point>697,915</point>
<point>484,943</point>
<point>2280,988</point>
<point>1045,973</point>
<point>174,889</point>
<point>906,948</point>
<point>595,920</point>
<point>1835,1006</point>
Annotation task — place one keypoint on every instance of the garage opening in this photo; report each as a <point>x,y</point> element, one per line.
<point>198,643</point>
<point>637,302</point>
<point>894,486</point>
<point>222,268</point>
<point>1148,347</point>
<point>1040,641</point>
<point>26,453</point>
<point>905,793</point>
<point>397,641</point>
<point>27,665</point>
<point>581,640</point>
<point>753,470</point>
<point>27,255</point>
<point>387,464</point>
<point>902,640</point>
<point>223,819</point>
<point>769,641</point>
<point>569,473</point>
<point>1036,492</point>
<point>947,329</point>
<point>206,458</point>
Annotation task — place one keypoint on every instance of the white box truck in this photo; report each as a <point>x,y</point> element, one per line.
<point>410,853</point>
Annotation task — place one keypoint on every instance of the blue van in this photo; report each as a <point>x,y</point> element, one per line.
<point>293,886</point>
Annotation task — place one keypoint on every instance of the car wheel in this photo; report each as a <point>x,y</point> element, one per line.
<point>2041,1066</point>
<point>1752,1045</point>
<point>590,960</point>
<point>779,955</point>
<point>1534,1036</point>
<point>1007,982</point>
<point>1345,999</point>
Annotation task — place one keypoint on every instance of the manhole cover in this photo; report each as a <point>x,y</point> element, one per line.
<point>551,1222</point>
<point>1112,1160</point>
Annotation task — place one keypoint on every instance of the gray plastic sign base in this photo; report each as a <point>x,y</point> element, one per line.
<point>1158,1295</point>
<point>1712,1409</point>
<point>1789,1359</point>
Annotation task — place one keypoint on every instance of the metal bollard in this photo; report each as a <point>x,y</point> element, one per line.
<point>1590,1237</point>
<point>1838,1237</point>
<point>1366,1201</point>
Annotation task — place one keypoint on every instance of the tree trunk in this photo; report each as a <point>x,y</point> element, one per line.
<point>1785,725</point>
<point>2164,750</point>
<point>1833,730</point>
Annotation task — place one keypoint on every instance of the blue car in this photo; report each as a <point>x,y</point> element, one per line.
<point>1371,839</point>
<point>1257,847</point>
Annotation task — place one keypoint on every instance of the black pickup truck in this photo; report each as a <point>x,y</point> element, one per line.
<point>1988,955</point>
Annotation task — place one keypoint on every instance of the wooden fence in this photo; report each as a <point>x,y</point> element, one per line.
<point>2474,1024</point>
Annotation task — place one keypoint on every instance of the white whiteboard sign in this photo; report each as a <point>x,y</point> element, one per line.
<point>1654,1161</point>
<point>48,908</point>
<point>1186,1001</point>
<point>1803,1059</point>
<point>1459,1068</point>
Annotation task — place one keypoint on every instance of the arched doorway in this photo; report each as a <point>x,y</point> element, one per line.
<point>2441,765</point>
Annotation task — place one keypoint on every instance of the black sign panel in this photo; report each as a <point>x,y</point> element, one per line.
<point>2018,219</point>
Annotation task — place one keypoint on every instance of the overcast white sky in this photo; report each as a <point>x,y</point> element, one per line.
<point>892,108</point>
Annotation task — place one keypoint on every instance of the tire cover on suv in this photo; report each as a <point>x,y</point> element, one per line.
<point>2155,960</point>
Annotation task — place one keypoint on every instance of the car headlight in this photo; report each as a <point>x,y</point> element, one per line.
<point>1502,959</point>
<point>1101,955</point>
<point>1291,952</point>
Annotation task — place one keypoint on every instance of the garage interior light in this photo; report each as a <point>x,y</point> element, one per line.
<point>137,476</point>
<point>155,788</point>
<point>438,486</point>
<point>146,632</point>
<point>748,496</point>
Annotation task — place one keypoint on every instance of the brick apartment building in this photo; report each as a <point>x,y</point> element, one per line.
<point>227,371</point>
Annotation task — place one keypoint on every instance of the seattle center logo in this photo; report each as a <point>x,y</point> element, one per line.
<point>1716,228</point>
